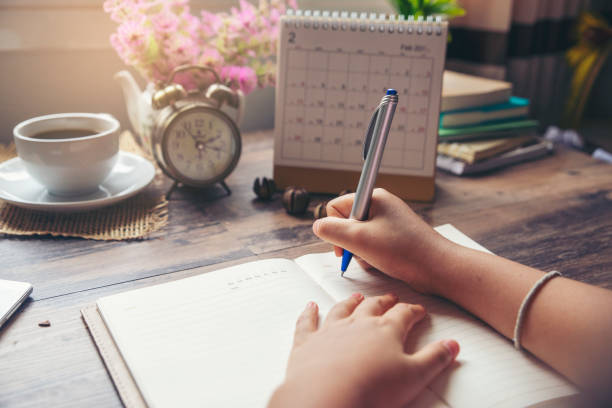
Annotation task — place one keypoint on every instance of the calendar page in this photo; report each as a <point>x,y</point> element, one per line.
<point>333,71</point>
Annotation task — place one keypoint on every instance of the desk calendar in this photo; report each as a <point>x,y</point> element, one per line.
<point>333,68</point>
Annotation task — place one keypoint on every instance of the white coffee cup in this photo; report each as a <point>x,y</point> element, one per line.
<point>64,164</point>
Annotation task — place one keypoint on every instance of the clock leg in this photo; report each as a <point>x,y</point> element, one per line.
<point>175,185</point>
<point>225,187</point>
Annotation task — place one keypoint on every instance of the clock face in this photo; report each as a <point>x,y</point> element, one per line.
<point>201,145</point>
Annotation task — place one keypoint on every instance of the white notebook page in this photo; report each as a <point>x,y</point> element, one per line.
<point>489,372</point>
<point>217,340</point>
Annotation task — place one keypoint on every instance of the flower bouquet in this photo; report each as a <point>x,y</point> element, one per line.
<point>156,36</point>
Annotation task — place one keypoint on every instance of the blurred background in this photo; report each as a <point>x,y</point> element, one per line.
<point>55,56</point>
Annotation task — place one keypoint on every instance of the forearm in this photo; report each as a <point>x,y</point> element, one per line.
<point>489,286</point>
<point>568,325</point>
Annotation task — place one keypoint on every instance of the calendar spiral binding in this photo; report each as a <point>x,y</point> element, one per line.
<point>372,22</point>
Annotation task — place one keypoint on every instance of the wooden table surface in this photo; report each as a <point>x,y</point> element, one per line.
<point>554,213</point>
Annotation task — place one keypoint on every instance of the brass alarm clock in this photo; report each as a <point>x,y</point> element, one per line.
<point>193,140</point>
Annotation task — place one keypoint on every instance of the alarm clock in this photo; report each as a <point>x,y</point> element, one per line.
<point>193,140</point>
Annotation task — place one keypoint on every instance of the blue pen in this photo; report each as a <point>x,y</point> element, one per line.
<point>373,149</point>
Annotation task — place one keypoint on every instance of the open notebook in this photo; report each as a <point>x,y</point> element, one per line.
<point>222,339</point>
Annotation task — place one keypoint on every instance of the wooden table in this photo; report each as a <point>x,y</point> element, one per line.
<point>555,213</point>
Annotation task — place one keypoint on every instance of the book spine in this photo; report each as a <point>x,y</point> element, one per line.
<point>364,22</point>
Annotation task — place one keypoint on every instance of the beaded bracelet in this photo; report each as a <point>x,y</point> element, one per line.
<point>523,309</point>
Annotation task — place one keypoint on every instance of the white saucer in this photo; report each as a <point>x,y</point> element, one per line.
<point>130,175</point>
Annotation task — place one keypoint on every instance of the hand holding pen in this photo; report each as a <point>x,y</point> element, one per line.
<point>373,150</point>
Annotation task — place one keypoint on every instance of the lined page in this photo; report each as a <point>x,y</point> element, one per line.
<point>489,372</point>
<point>220,339</point>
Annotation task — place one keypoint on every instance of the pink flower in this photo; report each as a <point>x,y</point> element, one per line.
<point>132,34</point>
<point>246,14</point>
<point>243,78</point>
<point>211,23</point>
<point>180,50</point>
<point>165,22</point>
<point>210,57</point>
<point>191,25</point>
<point>122,10</point>
<point>156,36</point>
<point>118,45</point>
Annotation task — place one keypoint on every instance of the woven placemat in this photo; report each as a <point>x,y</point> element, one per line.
<point>134,218</point>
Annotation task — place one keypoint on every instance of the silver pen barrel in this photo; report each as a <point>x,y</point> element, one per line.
<point>384,116</point>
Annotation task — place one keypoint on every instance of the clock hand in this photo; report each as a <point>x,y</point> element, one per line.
<point>216,149</point>
<point>212,139</point>
<point>190,134</point>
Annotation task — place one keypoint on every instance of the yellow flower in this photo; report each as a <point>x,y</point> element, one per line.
<point>587,57</point>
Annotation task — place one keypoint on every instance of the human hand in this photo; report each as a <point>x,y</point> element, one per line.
<point>393,239</point>
<point>357,359</point>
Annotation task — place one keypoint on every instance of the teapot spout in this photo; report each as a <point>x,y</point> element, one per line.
<point>132,97</point>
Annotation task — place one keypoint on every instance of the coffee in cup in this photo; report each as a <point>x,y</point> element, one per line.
<point>68,153</point>
<point>64,134</point>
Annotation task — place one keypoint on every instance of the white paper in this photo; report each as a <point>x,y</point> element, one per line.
<point>219,339</point>
<point>222,339</point>
<point>330,82</point>
<point>489,372</point>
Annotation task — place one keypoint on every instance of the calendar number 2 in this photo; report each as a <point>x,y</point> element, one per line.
<point>291,37</point>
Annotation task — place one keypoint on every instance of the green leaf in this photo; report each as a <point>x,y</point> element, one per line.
<point>403,7</point>
<point>152,50</point>
<point>428,9</point>
<point>448,8</point>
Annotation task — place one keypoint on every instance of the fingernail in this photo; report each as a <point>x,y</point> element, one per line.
<point>419,308</point>
<point>453,347</point>
<point>393,295</point>
<point>311,305</point>
<point>315,227</point>
<point>357,296</point>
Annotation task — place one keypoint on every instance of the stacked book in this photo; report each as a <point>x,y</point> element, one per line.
<point>483,127</point>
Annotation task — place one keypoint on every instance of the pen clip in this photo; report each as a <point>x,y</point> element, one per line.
<point>368,138</point>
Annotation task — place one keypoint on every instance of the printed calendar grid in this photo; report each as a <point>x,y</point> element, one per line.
<point>329,97</point>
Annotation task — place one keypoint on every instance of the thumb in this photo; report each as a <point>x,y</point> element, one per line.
<point>342,232</point>
<point>434,358</point>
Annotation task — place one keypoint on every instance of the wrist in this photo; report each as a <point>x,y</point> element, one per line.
<point>440,264</point>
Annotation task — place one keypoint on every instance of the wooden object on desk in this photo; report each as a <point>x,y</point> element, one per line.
<point>554,213</point>
<point>331,181</point>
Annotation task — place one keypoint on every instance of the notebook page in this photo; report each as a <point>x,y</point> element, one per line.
<point>219,339</point>
<point>489,371</point>
<point>427,399</point>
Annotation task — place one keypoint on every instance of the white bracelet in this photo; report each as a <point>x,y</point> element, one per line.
<point>523,309</point>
